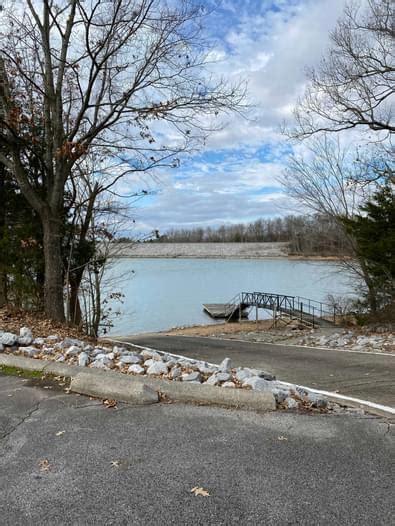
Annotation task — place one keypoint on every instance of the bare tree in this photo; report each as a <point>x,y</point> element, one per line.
<point>355,83</point>
<point>113,77</point>
<point>326,179</point>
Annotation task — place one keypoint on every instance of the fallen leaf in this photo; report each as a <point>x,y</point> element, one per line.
<point>282,438</point>
<point>200,491</point>
<point>44,465</point>
<point>110,403</point>
<point>116,463</point>
<point>60,433</point>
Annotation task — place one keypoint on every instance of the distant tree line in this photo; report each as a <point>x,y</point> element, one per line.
<point>306,235</point>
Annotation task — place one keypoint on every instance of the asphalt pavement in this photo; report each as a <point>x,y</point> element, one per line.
<point>69,460</point>
<point>366,376</point>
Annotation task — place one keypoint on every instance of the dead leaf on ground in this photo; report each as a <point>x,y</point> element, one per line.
<point>110,403</point>
<point>115,463</point>
<point>44,465</point>
<point>282,438</point>
<point>60,433</point>
<point>198,491</point>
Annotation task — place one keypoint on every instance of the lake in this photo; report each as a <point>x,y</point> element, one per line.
<point>165,293</point>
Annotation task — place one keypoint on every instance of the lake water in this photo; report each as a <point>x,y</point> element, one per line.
<point>165,293</point>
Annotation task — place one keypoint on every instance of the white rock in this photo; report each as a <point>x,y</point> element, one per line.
<point>73,350</point>
<point>149,362</point>
<point>136,369</point>
<point>280,394</point>
<point>83,359</point>
<point>39,341</point>
<point>52,338</point>
<point>147,353</point>
<point>61,358</point>
<point>175,373</point>
<point>171,363</point>
<point>101,364</point>
<point>102,361</point>
<point>48,350</point>
<point>8,339</point>
<point>223,377</point>
<point>191,377</point>
<point>243,374</point>
<point>30,351</point>
<point>96,351</point>
<point>291,403</point>
<point>212,380</point>
<point>25,336</point>
<point>229,385</point>
<point>26,332</point>
<point>261,374</point>
<point>204,368</point>
<point>1,347</point>
<point>130,359</point>
<point>68,342</point>
<point>157,368</point>
<point>225,366</point>
<point>258,384</point>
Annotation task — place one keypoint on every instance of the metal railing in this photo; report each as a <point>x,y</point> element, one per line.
<point>305,309</point>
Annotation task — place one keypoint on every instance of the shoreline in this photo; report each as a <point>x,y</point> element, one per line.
<point>234,251</point>
<point>236,257</point>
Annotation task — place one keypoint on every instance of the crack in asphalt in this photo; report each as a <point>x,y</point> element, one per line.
<point>21,422</point>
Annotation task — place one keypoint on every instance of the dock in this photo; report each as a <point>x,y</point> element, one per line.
<point>306,310</point>
<point>228,311</point>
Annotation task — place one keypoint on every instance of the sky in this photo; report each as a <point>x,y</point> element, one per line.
<point>269,44</point>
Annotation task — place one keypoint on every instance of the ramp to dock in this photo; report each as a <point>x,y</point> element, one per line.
<point>296,307</point>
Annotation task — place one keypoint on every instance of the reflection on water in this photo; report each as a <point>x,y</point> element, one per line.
<point>164,293</point>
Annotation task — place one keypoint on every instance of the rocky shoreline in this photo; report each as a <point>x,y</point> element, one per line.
<point>381,340</point>
<point>141,361</point>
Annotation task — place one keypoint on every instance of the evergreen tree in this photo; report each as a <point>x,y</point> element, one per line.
<point>374,234</point>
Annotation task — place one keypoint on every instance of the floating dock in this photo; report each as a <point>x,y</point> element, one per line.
<point>222,311</point>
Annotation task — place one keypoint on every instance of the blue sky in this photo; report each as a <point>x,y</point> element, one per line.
<point>269,44</point>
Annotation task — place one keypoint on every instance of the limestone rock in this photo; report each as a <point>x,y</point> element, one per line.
<point>225,366</point>
<point>8,339</point>
<point>243,374</point>
<point>157,368</point>
<point>258,384</point>
<point>175,373</point>
<point>73,350</point>
<point>191,377</point>
<point>151,354</point>
<point>136,369</point>
<point>25,336</point>
<point>83,359</point>
<point>30,351</point>
<point>229,385</point>
<point>291,403</point>
<point>130,359</point>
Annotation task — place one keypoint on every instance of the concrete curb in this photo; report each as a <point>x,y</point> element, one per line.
<point>111,384</point>
<point>348,401</point>
<point>121,389</point>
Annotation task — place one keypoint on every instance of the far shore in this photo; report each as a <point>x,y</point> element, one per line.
<point>211,251</point>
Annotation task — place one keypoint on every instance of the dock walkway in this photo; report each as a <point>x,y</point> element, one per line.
<point>296,307</point>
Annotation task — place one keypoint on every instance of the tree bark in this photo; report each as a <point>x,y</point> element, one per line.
<point>53,285</point>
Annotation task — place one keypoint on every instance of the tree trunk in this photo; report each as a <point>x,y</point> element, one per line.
<point>74,302</point>
<point>53,285</point>
<point>372,291</point>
